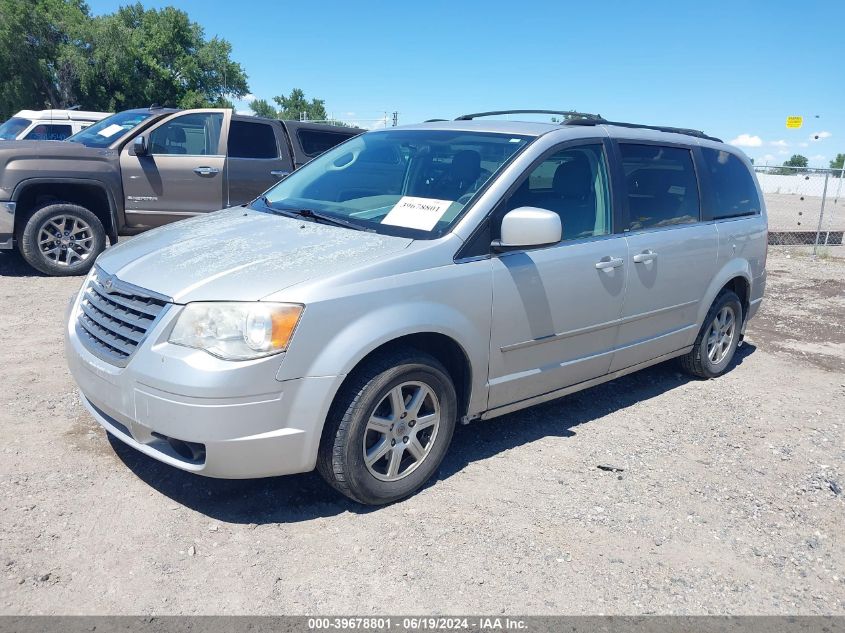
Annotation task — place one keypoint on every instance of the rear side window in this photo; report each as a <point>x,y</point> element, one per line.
<point>48,132</point>
<point>252,140</point>
<point>660,185</point>
<point>733,191</point>
<point>315,142</point>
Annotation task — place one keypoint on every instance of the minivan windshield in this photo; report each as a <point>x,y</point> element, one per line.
<point>413,183</point>
<point>106,131</point>
<point>10,129</point>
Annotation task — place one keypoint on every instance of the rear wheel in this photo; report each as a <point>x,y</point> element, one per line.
<point>61,239</point>
<point>389,428</point>
<point>718,338</point>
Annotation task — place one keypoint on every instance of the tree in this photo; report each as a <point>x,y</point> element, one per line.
<point>837,163</point>
<point>796,161</point>
<point>53,53</point>
<point>295,107</point>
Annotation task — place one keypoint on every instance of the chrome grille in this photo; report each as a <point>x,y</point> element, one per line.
<point>114,317</point>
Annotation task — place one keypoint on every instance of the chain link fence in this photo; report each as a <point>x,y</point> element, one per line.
<point>806,206</point>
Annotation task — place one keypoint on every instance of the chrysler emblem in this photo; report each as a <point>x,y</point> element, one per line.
<point>109,284</point>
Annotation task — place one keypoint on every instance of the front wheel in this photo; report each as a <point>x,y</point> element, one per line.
<point>62,239</point>
<point>718,338</point>
<point>389,428</point>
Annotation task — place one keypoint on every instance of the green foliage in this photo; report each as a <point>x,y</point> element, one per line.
<point>838,162</point>
<point>293,107</point>
<point>796,161</point>
<point>53,53</point>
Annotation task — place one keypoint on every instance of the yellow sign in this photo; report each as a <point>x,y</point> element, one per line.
<point>794,121</point>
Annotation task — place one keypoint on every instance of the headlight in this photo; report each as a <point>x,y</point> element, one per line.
<point>237,331</point>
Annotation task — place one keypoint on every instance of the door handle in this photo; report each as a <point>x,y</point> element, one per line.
<point>279,173</point>
<point>206,171</point>
<point>609,262</point>
<point>645,256</point>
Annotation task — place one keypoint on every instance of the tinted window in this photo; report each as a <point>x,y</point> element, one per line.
<point>733,190</point>
<point>660,185</point>
<point>106,131</point>
<point>316,142</point>
<point>45,132</point>
<point>10,129</point>
<point>252,140</point>
<point>572,183</point>
<point>191,134</point>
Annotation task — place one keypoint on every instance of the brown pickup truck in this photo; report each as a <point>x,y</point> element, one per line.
<point>61,200</point>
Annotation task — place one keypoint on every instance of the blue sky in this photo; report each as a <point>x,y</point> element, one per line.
<point>734,69</point>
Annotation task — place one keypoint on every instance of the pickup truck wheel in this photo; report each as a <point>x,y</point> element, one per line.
<point>716,343</point>
<point>389,428</point>
<point>62,239</point>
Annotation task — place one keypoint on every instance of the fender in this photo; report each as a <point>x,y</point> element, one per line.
<point>736,267</point>
<point>342,353</point>
<point>23,185</point>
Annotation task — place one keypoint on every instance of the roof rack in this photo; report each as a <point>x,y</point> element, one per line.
<point>660,128</point>
<point>566,113</point>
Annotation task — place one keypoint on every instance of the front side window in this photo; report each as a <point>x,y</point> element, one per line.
<point>48,132</point>
<point>252,140</point>
<point>413,183</point>
<point>573,183</point>
<point>660,185</point>
<point>106,131</point>
<point>733,188</point>
<point>190,135</point>
<point>10,130</point>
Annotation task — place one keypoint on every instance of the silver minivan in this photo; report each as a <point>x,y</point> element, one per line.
<point>413,278</point>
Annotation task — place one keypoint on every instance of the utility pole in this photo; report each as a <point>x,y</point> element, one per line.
<point>395,118</point>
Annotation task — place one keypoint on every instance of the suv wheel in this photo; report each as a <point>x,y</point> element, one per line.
<point>389,428</point>
<point>61,239</point>
<point>718,339</point>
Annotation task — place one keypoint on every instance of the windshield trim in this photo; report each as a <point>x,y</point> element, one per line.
<point>411,233</point>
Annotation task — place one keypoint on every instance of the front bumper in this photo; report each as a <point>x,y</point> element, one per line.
<point>7,224</point>
<point>188,409</point>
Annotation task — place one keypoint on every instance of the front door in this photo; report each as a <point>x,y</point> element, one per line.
<point>672,255</point>
<point>556,310</point>
<point>182,173</point>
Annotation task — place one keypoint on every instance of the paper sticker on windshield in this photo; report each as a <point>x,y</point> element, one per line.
<point>417,213</point>
<point>111,130</point>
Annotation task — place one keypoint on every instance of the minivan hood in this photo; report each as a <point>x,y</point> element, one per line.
<point>240,255</point>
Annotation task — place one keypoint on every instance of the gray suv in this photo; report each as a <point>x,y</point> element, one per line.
<point>413,278</point>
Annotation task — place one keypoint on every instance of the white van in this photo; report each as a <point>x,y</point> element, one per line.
<point>47,125</point>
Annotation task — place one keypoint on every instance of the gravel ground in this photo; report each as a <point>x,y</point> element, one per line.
<point>729,499</point>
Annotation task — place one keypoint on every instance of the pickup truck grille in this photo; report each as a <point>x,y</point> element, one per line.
<point>114,317</point>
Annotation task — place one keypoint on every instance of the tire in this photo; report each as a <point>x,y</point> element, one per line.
<point>703,360</point>
<point>364,417</point>
<point>79,234</point>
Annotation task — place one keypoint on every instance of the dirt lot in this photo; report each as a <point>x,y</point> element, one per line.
<point>728,500</point>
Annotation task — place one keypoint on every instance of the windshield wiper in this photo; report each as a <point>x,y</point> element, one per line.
<point>316,216</point>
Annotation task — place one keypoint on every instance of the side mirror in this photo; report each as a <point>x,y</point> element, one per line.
<point>528,227</point>
<point>139,146</point>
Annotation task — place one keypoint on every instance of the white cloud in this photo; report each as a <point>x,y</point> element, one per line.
<point>768,158</point>
<point>780,143</point>
<point>803,144</point>
<point>818,136</point>
<point>249,97</point>
<point>247,112</point>
<point>783,152</point>
<point>747,140</point>
<point>818,157</point>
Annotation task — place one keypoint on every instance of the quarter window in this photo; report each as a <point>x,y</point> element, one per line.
<point>252,140</point>
<point>733,189</point>
<point>191,134</point>
<point>660,185</point>
<point>572,183</point>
